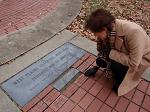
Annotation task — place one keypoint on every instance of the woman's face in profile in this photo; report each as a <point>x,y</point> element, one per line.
<point>102,34</point>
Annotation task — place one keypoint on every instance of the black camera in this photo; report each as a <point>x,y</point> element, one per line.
<point>101,62</point>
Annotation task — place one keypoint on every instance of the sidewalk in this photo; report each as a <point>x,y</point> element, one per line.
<point>22,48</point>
<point>22,40</point>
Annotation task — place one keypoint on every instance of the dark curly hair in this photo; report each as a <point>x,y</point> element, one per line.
<point>99,19</point>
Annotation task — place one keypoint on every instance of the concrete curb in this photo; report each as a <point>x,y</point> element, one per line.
<point>22,41</point>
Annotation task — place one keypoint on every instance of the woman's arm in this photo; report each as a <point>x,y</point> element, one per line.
<point>135,43</point>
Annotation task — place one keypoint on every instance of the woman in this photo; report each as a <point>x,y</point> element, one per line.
<point>123,46</point>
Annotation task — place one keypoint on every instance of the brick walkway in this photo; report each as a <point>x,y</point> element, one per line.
<point>15,14</point>
<point>90,95</point>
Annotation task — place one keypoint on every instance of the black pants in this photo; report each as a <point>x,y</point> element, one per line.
<point>119,71</point>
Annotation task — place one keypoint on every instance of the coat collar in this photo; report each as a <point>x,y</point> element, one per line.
<point>119,27</point>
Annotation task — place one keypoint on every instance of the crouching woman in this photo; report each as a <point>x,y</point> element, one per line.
<point>123,46</point>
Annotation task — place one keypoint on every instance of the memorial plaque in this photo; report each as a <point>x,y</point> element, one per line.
<point>32,80</point>
<point>68,76</point>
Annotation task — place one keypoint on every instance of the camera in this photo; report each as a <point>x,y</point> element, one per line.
<point>101,62</point>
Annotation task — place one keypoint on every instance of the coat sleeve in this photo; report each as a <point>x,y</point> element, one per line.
<point>135,43</point>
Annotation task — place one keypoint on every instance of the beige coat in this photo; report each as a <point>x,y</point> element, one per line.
<point>132,48</point>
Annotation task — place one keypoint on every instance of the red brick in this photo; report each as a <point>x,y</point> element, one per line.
<point>67,107</point>
<point>58,102</point>
<point>98,74</point>
<point>85,102</point>
<point>103,94</point>
<point>95,106</point>
<point>91,66</point>
<point>94,64</point>
<point>122,105</point>
<point>70,90</point>
<point>114,111</point>
<point>5,27</point>
<point>83,67</point>
<point>11,29</point>
<point>142,110</point>
<point>33,18</point>
<point>148,90</point>
<point>105,108</point>
<point>51,97</point>
<point>91,60</point>
<point>38,14</point>
<point>45,92</point>
<point>77,64</point>
<point>112,99</point>
<point>21,9</point>
<point>49,110</point>
<point>29,105</point>
<point>26,21</point>
<point>130,94</point>
<point>106,82</point>
<point>133,108</point>
<point>138,97</point>
<point>143,86</point>
<point>30,111</point>
<point>78,109</point>
<point>2,32</point>
<point>78,95</point>
<point>39,107</point>
<point>88,84</point>
<point>5,22</point>
<point>85,57</point>
<point>15,20</point>
<point>80,80</point>
<point>146,103</point>
<point>20,25</point>
<point>95,89</point>
<point>93,56</point>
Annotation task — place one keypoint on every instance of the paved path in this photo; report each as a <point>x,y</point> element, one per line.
<point>16,14</point>
<point>43,34</point>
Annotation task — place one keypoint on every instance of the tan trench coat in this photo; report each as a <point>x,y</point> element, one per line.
<point>132,48</point>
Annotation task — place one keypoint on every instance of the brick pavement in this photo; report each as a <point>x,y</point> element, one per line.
<point>92,94</point>
<point>15,14</point>
<point>84,94</point>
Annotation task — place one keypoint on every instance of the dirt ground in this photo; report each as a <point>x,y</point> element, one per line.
<point>134,10</point>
